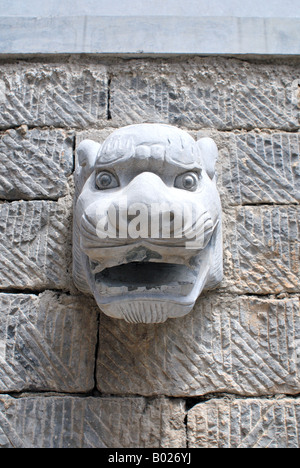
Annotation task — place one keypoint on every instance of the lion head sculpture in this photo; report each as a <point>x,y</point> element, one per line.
<point>147,236</point>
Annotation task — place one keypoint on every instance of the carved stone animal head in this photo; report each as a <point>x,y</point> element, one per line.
<point>147,222</point>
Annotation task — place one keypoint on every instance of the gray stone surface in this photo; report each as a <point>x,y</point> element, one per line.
<point>221,93</point>
<point>262,249</point>
<point>258,167</point>
<point>72,422</point>
<point>60,95</point>
<point>250,423</point>
<point>255,167</point>
<point>149,261</point>
<point>237,344</point>
<point>241,339</point>
<point>35,163</point>
<point>47,343</point>
<point>35,251</point>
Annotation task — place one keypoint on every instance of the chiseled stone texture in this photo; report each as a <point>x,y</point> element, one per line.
<point>157,177</point>
<point>239,344</point>
<point>258,167</point>
<point>35,164</point>
<point>248,423</point>
<point>72,422</point>
<point>262,249</point>
<point>47,342</point>
<point>253,168</point>
<point>232,342</point>
<point>205,92</point>
<point>61,95</point>
<point>35,250</point>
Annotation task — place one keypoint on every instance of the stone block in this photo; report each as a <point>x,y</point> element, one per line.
<point>249,423</point>
<point>262,249</point>
<point>72,422</point>
<point>211,92</point>
<point>59,95</point>
<point>47,343</point>
<point>35,164</point>
<point>109,261</point>
<point>259,168</point>
<point>35,250</point>
<point>253,167</point>
<point>237,344</point>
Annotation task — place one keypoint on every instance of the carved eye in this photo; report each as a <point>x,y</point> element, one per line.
<point>187,181</point>
<point>106,180</point>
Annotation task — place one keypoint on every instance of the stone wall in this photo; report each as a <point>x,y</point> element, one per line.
<point>227,374</point>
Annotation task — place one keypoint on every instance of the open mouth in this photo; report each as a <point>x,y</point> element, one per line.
<point>146,282</point>
<point>145,277</point>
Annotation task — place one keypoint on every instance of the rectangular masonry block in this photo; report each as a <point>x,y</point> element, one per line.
<point>262,249</point>
<point>253,167</point>
<point>258,168</point>
<point>72,422</point>
<point>56,95</point>
<point>205,92</point>
<point>248,423</point>
<point>35,250</point>
<point>47,343</point>
<point>35,163</point>
<point>242,345</point>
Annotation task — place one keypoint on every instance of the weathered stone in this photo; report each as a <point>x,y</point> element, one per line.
<point>249,423</point>
<point>257,168</point>
<point>205,92</point>
<point>47,342</point>
<point>253,167</point>
<point>157,269</point>
<point>98,135</point>
<point>34,245</point>
<point>244,345</point>
<point>35,163</point>
<point>52,94</point>
<point>72,422</point>
<point>262,249</point>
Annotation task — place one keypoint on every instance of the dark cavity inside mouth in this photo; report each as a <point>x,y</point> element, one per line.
<point>146,274</point>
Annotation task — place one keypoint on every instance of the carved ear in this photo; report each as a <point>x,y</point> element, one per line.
<point>85,161</point>
<point>209,155</point>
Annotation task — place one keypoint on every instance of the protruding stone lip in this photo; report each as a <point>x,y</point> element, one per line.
<point>172,283</point>
<point>178,293</point>
<point>151,306</point>
<point>146,310</point>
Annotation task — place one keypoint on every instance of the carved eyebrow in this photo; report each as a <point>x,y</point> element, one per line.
<point>115,148</point>
<point>148,164</point>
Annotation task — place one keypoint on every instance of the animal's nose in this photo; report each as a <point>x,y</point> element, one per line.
<point>146,188</point>
<point>148,198</point>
